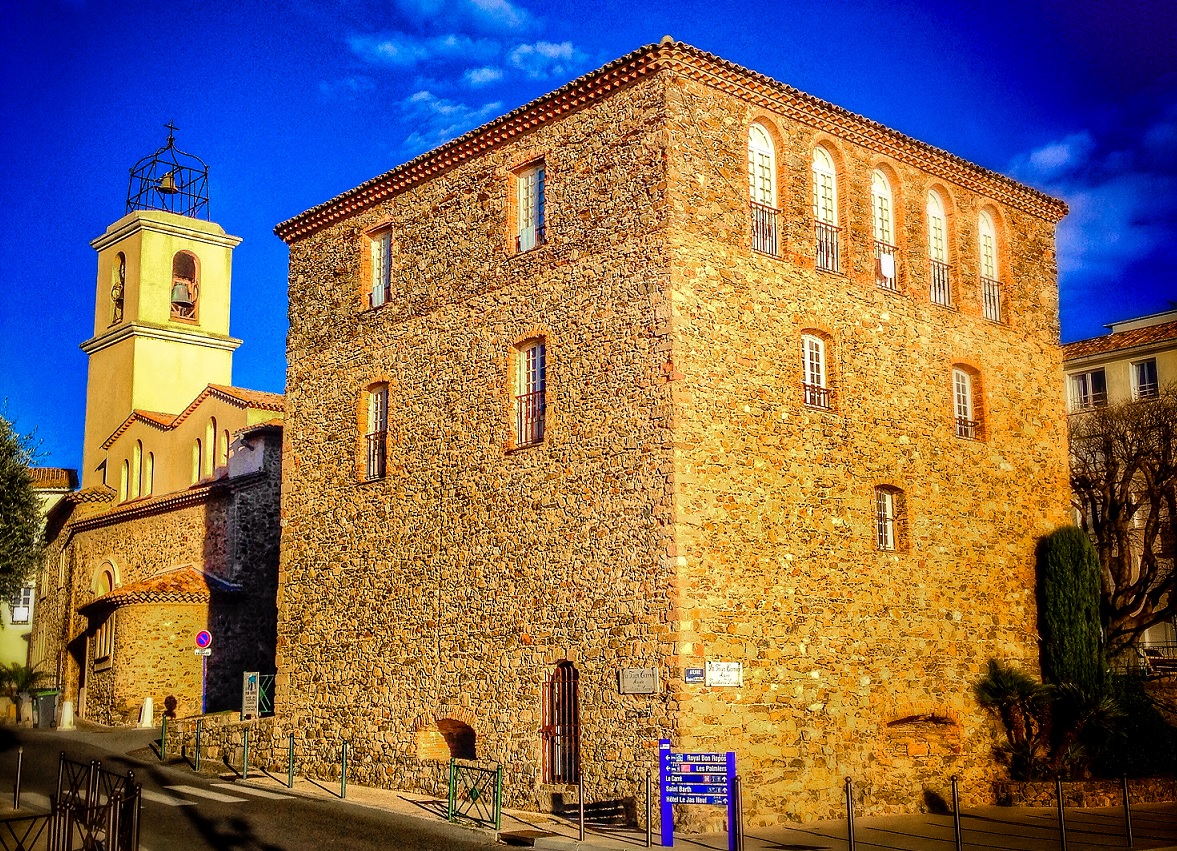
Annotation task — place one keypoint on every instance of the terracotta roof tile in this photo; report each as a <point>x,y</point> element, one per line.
<point>1122,340</point>
<point>240,396</point>
<point>252,398</point>
<point>177,585</point>
<point>45,478</point>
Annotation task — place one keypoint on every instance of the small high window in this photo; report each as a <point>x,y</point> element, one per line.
<point>137,469</point>
<point>762,189</point>
<point>530,393</point>
<point>376,438</point>
<point>825,211</point>
<point>940,290</point>
<point>965,385</point>
<point>529,208</point>
<point>185,286</point>
<point>814,382</point>
<point>149,474</point>
<point>125,481</point>
<point>990,282</point>
<point>883,220</point>
<point>1087,390</point>
<point>118,288</point>
<point>888,515</point>
<point>1144,379</point>
<point>21,605</point>
<point>381,257</point>
<point>197,461</point>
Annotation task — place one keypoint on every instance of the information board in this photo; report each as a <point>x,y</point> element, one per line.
<point>250,692</point>
<point>696,778</point>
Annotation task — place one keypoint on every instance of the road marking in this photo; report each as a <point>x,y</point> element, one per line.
<point>170,800</point>
<point>249,790</point>
<point>206,793</point>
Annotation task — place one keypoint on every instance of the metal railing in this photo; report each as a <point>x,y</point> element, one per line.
<point>380,295</point>
<point>1147,390</point>
<point>377,454</point>
<point>1094,399</point>
<point>476,794</point>
<point>827,256</point>
<point>967,428</point>
<point>816,396</point>
<point>529,418</point>
<point>886,266</point>
<point>991,299</point>
<point>764,233</point>
<point>940,290</point>
<point>531,239</point>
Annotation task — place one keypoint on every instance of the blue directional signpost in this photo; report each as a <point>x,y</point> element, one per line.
<point>697,778</point>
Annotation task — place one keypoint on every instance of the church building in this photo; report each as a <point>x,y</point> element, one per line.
<point>175,528</point>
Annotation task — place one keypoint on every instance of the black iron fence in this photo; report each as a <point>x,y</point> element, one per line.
<point>764,232</point>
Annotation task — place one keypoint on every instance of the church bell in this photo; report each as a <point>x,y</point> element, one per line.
<point>180,293</point>
<point>167,184</point>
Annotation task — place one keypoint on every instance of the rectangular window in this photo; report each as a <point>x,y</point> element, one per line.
<point>376,440</point>
<point>1088,390</point>
<point>22,605</point>
<point>104,640</point>
<point>1144,379</point>
<point>381,269</point>
<point>530,394</point>
<point>813,354</point>
<point>962,385</point>
<point>529,206</point>
<point>884,519</point>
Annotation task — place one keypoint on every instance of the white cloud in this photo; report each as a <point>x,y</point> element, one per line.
<point>1058,158</point>
<point>546,59</point>
<point>503,13</point>
<point>500,15</point>
<point>400,50</point>
<point>347,88</point>
<point>482,76</point>
<point>438,119</point>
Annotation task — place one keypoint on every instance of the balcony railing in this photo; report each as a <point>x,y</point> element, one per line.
<point>886,266</point>
<point>968,429</point>
<point>1147,390</point>
<point>764,237</point>
<point>377,453</point>
<point>941,287</point>
<point>529,418</point>
<point>380,295</point>
<point>827,256</point>
<point>530,238</point>
<point>991,299</point>
<point>1090,401</point>
<point>816,396</point>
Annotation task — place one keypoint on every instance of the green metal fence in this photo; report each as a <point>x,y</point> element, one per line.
<point>476,794</point>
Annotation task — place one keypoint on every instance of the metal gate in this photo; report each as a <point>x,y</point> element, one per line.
<point>94,808</point>
<point>476,793</point>
<point>561,725</point>
<point>265,695</point>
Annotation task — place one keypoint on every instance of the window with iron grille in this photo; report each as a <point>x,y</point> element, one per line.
<point>990,285</point>
<point>529,208</point>
<point>825,211</point>
<point>967,424</point>
<point>1144,379</point>
<point>886,518</point>
<point>22,605</point>
<point>882,217</point>
<point>560,730</point>
<point>813,371</point>
<point>762,190</point>
<point>381,262</point>
<point>940,290</point>
<point>1087,390</point>
<point>376,438</point>
<point>530,393</point>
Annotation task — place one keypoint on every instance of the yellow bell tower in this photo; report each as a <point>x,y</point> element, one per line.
<point>161,316</point>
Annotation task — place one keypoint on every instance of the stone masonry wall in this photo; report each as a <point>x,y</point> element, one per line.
<point>856,662</point>
<point>451,588</point>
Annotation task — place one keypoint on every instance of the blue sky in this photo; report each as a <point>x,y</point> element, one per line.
<point>293,102</point>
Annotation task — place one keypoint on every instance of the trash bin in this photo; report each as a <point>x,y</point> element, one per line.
<point>44,707</point>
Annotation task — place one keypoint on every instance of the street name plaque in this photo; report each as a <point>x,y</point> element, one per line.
<point>638,680</point>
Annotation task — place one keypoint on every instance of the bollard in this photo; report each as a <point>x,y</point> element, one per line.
<point>163,739</point>
<point>850,814</point>
<point>20,758</point>
<point>196,760</point>
<point>245,756</point>
<point>956,816</point>
<point>343,774</point>
<point>738,827</point>
<point>1127,812</point>
<point>1062,819</point>
<point>498,797</point>
<point>580,802</point>
<point>649,813</point>
<point>290,767</point>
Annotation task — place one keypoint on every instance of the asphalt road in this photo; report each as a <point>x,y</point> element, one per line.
<point>183,811</point>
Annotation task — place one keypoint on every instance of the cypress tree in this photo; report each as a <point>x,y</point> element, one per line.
<point>1068,610</point>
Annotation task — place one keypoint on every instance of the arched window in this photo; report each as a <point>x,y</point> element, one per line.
<point>814,378</point>
<point>990,286</point>
<point>223,456</point>
<point>149,475</point>
<point>530,392</point>
<point>137,469</point>
<point>825,210</point>
<point>889,515</point>
<point>941,289</point>
<point>561,725</point>
<point>125,481</point>
<point>197,461</point>
<point>966,388</point>
<point>185,286</point>
<point>118,288</point>
<point>883,218</point>
<point>210,445</point>
<point>762,189</point>
<point>376,437</point>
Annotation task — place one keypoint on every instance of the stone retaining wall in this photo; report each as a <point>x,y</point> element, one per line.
<point>1085,793</point>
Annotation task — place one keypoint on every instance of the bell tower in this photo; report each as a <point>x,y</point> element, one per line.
<point>161,311</point>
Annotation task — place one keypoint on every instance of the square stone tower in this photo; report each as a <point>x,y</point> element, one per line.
<point>671,367</point>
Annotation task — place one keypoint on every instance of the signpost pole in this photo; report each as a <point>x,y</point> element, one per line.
<point>665,809</point>
<point>732,809</point>
<point>203,685</point>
